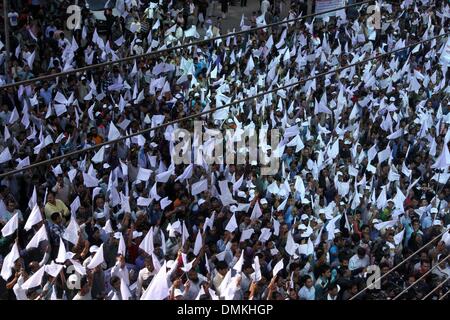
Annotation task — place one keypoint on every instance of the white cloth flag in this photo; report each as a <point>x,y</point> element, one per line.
<point>62,254</point>
<point>443,161</point>
<point>256,276</point>
<point>35,280</point>
<point>158,288</point>
<point>34,218</point>
<point>398,238</point>
<point>97,259</point>
<point>122,247</point>
<point>256,212</point>
<point>232,224</point>
<point>113,133</point>
<point>164,176</point>
<point>39,236</point>
<point>144,174</point>
<point>11,226</point>
<point>124,290</point>
<point>99,155</point>
<point>33,200</point>
<point>53,269</point>
<point>199,187</point>
<point>250,66</point>
<point>239,263</point>
<point>147,242</point>
<point>278,267</point>
<point>8,262</point>
<point>198,243</point>
<point>5,155</point>
<point>144,202</point>
<point>90,181</point>
<point>165,202</point>
<point>387,224</point>
<point>187,173</point>
<point>246,234</point>
<point>71,232</point>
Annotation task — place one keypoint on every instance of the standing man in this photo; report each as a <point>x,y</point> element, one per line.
<point>202,9</point>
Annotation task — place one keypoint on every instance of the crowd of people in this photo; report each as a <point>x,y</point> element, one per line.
<point>362,186</point>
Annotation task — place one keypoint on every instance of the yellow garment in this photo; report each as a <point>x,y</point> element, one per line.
<point>58,207</point>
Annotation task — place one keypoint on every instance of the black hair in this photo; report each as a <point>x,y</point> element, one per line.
<point>221,265</point>
<point>361,251</point>
<point>324,268</point>
<point>83,281</point>
<point>54,216</point>
<point>113,280</point>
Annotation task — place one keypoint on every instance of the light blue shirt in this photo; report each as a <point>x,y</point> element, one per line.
<point>307,294</point>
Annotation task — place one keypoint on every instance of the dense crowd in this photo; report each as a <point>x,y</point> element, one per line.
<point>362,183</point>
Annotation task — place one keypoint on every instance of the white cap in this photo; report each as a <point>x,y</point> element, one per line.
<point>263,201</point>
<point>201,201</point>
<point>434,210</point>
<point>305,201</point>
<point>304,217</point>
<point>437,223</point>
<point>93,249</point>
<point>274,251</point>
<point>321,211</point>
<point>241,194</point>
<point>177,293</point>
<point>136,234</point>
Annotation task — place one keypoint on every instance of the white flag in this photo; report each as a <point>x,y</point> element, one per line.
<point>39,236</point>
<point>34,218</point>
<point>97,259</point>
<point>11,226</point>
<point>158,288</point>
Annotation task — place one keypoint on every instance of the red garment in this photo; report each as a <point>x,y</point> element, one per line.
<point>133,252</point>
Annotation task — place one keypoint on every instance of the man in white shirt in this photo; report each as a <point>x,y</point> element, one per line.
<point>307,292</point>
<point>359,261</point>
<point>120,270</point>
<point>145,275</point>
<point>265,6</point>
<point>85,288</point>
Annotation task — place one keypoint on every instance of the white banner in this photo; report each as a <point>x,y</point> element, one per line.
<point>324,5</point>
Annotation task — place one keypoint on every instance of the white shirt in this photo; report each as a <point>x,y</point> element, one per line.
<point>355,262</point>
<point>21,294</point>
<point>122,273</point>
<point>265,5</point>
<point>144,274</point>
<point>306,293</point>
